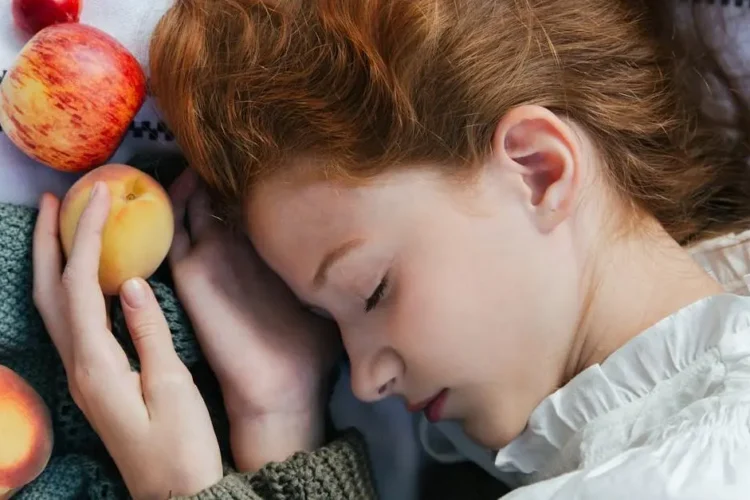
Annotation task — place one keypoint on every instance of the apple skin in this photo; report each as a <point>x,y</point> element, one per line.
<point>70,97</point>
<point>138,232</point>
<point>25,430</point>
<point>32,16</point>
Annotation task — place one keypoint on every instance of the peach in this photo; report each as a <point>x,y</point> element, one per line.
<point>139,230</point>
<point>26,435</point>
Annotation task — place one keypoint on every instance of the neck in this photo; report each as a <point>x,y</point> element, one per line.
<point>632,286</point>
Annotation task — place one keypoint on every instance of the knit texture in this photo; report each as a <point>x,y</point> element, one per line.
<point>336,472</point>
<point>80,466</point>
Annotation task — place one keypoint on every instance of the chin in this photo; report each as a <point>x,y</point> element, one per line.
<point>486,432</point>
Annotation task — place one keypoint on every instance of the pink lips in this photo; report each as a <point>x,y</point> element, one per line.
<point>432,407</point>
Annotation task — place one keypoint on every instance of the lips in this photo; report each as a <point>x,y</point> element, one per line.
<point>432,407</point>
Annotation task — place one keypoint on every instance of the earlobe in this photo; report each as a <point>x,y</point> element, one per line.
<point>542,149</point>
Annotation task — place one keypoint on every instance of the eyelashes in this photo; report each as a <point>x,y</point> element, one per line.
<point>377,295</point>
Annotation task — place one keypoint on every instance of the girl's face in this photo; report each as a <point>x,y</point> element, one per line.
<point>462,295</point>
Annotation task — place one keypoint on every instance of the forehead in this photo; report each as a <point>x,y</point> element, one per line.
<point>293,224</point>
<point>284,210</point>
<point>294,221</point>
<point>310,205</point>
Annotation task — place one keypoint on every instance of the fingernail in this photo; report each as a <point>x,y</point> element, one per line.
<point>95,190</point>
<point>133,293</point>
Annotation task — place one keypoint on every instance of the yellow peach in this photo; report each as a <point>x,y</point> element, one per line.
<point>139,230</point>
<point>26,435</point>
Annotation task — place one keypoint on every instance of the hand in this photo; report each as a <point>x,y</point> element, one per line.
<point>154,424</point>
<point>269,354</point>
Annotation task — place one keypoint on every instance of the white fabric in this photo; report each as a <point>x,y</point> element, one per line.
<point>665,417</point>
<point>727,259</point>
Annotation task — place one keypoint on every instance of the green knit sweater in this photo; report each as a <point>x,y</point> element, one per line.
<point>80,466</point>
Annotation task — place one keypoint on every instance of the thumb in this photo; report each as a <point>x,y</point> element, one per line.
<point>148,328</point>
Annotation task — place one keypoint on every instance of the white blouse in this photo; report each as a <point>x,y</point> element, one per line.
<point>667,416</point>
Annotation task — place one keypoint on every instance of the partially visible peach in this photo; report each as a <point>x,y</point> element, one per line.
<point>139,230</point>
<point>26,435</point>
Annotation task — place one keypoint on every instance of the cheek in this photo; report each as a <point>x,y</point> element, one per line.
<point>475,318</point>
<point>439,320</point>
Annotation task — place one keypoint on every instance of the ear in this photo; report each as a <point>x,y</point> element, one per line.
<point>543,149</point>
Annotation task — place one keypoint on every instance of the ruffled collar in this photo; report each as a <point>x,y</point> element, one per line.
<point>631,372</point>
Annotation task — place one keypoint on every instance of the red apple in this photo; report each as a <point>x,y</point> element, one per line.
<point>70,96</point>
<point>26,435</point>
<point>34,15</point>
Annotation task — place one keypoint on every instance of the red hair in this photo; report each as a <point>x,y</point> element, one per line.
<point>369,85</point>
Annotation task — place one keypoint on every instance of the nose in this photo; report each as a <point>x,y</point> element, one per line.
<point>376,375</point>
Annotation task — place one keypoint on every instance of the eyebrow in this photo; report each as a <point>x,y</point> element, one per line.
<point>331,258</point>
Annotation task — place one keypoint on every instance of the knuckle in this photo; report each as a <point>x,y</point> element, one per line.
<point>91,377</point>
<point>173,381</point>
<point>82,377</point>
<point>180,376</point>
<point>39,296</point>
<point>191,273</point>
<point>145,329</point>
<point>46,297</point>
<point>81,384</point>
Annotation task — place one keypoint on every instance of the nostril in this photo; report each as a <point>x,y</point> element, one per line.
<point>386,387</point>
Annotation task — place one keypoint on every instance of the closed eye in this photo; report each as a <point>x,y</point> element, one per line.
<point>377,295</point>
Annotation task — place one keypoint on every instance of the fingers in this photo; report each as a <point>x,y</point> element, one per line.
<point>202,221</point>
<point>47,262</point>
<point>87,241</point>
<point>150,332</point>
<point>94,348</point>
<point>165,380</point>
<point>180,191</point>
<point>88,313</point>
<point>46,251</point>
<point>189,202</point>
<point>75,314</point>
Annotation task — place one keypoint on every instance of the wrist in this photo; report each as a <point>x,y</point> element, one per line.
<point>257,440</point>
